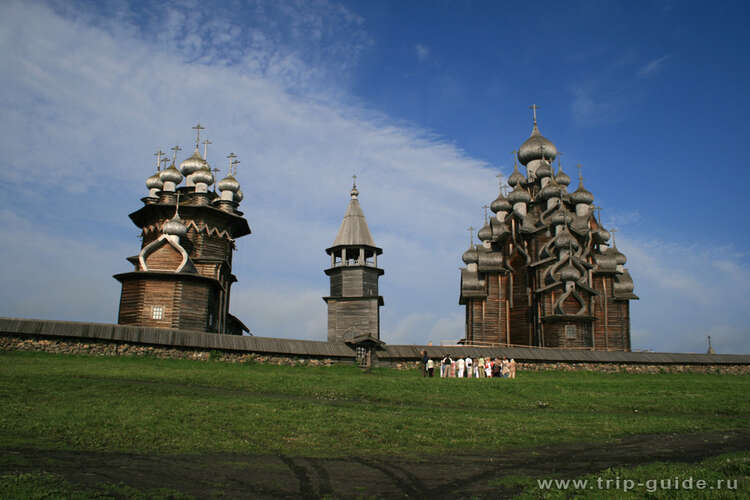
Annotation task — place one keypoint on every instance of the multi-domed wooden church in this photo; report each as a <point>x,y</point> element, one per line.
<point>182,275</point>
<point>544,274</point>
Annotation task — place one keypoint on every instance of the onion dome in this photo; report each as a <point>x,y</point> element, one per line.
<point>601,235</point>
<point>623,284</point>
<point>488,259</point>
<point>581,195</point>
<point>471,255</point>
<point>536,147</point>
<point>519,195</point>
<point>193,163</point>
<point>154,182</point>
<point>485,234</point>
<point>544,170</point>
<point>551,190</point>
<point>500,231</point>
<point>516,177</point>
<point>501,204</point>
<point>620,258</point>
<point>229,183</point>
<point>203,175</point>
<point>174,226</point>
<point>559,217</point>
<point>565,240</point>
<point>569,272</point>
<point>561,177</point>
<point>171,174</point>
<point>238,196</point>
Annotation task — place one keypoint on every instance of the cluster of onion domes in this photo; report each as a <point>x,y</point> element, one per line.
<point>196,172</point>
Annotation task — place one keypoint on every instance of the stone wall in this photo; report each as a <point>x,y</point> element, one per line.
<point>94,347</point>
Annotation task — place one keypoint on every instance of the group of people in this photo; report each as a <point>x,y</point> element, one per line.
<point>469,368</point>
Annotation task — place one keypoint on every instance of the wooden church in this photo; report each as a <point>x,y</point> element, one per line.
<point>544,274</point>
<point>182,275</point>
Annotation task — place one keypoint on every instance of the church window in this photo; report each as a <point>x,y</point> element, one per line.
<point>570,331</point>
<point>157,312</point>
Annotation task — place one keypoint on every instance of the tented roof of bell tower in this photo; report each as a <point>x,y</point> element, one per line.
<point>354,230</point>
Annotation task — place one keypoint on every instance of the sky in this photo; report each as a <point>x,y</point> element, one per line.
<point>424,101</point>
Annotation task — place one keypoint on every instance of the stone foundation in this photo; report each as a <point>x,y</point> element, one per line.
<point>112,348</point>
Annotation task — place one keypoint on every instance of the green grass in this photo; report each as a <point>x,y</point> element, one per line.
<point>141,405</point>
<point>725,476</point>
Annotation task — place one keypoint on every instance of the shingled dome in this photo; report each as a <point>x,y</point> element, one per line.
<point>354,230</point>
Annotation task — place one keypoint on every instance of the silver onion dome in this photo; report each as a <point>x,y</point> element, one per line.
<point>174,226</point>
<point>228,183</point>
<point>501,204</point>
<point>171,174</point>
<point>485,234</point>
<point>569,272</point>
<point>154,182</point>
<point>519,195</point>
<point>535,147</point>
<point>562,177</point>
<point>620,258</point>
<point>581,195</point>
<point>551,190</point>
<point>203,176</point>
<point>471,255</point>
<point>193,163</point>
<point>565,240</point>
<point>516,177</point>
<point>544,170</point>
<point>601,235</point>
<point>238,196</point>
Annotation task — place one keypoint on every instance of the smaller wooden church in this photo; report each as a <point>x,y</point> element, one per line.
<point>182,275</point>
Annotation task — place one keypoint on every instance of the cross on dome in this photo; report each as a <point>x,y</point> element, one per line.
<point>174,157</point>
<point>234,166</point>
<point>471,234</point>
<point>158,155</point>
<point>205,149</point>
<point>198,129</point>
<point>534,107</point>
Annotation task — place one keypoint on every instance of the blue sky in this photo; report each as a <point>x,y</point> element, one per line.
<point>423,100</point>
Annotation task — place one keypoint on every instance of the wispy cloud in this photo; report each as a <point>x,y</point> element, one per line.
<point>422,51</point>
<point>652,67</point>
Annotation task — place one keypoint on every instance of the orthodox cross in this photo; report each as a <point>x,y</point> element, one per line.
<point>503,188</point>
<point>579,167</point>
<point>559,154</point>
<point>198,129</point>
<point>164,161</point>
<point>234,166</point>
<point>158,155</point>
<point>215,171</point>
<point>471,234</point>
<point>613,231</point>
<point>205,148</point>
<point>231,157</point>
<point>485,207</point>
<point>174,157</point>
<point>534,107</point>
<point>598,213</point>
<point>354,181</point>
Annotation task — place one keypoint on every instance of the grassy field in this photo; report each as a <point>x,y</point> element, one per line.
<point>165,407</point>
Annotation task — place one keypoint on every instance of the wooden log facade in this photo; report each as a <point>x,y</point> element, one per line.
<point>545,274</point>
<point>182,276</point>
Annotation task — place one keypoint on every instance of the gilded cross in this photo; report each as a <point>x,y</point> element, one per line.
<point>198,129</point>
<point>534,107</point>
<point>174,157</point>
<point>158,155</point>
<point>205,149</point>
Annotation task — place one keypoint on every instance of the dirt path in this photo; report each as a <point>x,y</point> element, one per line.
<point>253,476</point>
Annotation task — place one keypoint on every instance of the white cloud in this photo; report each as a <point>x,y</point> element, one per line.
<point>652,67</point>
<point>422,51</point>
